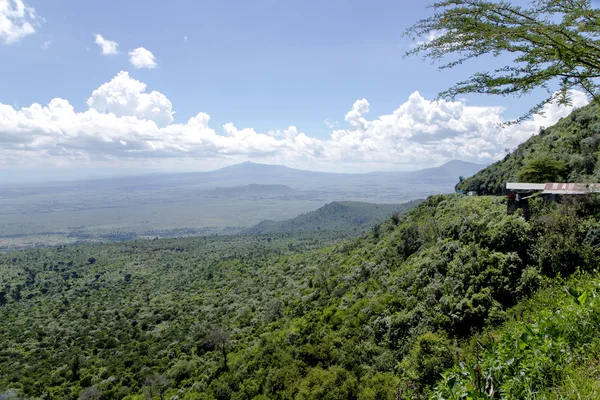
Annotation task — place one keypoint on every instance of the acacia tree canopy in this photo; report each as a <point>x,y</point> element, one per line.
<point>555,44</point>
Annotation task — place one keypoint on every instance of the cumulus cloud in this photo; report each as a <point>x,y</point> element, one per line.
<point>125,123</point>
<point>125,96</point>
<point>17,20</point>
<point>355,116</point>
<point>107,46</point>
<point>142,58</point>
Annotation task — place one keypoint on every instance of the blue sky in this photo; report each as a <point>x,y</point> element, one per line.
<point>266,65</point>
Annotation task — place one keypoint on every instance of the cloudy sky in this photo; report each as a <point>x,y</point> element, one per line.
<point>119,86</point>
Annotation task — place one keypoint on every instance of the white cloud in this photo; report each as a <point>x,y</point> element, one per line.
<point>124,96</point>
<point>355,116</point>
<point>17,20</point>
<point>142,58</point>
<point>107,46</point>
<point>185,38</point>
<point>47,44</point>
<point>127,124</point>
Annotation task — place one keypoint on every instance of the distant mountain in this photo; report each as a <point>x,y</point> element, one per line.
<point>254,190</point>
<point>450,171</point>
<point>222,201</point>
<point>361,186</point>
<point>265,174</point>
<point>312,189</point>
<point>444,174</point>
<point>340,216</point>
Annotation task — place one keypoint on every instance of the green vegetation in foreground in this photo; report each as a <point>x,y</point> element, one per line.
<point>565,152</point>
<point>346,217</point>
<point>550,349</point>
<point>374,317</point>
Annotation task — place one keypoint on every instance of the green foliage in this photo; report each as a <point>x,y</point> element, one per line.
<point>431,354</point>
<point>565,152</point>
<point>550,351</point>
<point>542,169</point>
<point>243,317</point>
<point>348,218</point>
<point>552,41</point>
<point>331,384</point>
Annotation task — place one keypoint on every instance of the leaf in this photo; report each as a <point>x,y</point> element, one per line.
<point>581,299</point>
<point>530,330</point>
<point>574,292</point>
<point>452,382</point>
<point>524,341</point>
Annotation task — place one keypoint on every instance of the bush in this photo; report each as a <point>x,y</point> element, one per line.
<point>431,355</point>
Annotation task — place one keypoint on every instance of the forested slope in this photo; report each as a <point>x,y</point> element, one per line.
<point>548,350</point>
<point>345,217</point>
<point>566,152</point>
<point>375,317</point>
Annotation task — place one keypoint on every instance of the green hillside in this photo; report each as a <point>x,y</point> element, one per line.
<point>453,299</point>
<point>566,152</point>
<point>350,217</point>
<point>548,350</point>
<point>375,317</point>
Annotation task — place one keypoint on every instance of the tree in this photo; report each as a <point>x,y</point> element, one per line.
<point>156,385</point>
<point>554,42</point>
<point>9,395</point>
<point>429,357</point>
<point>91,393</point>
<point>543,169</point>
<point>219,337</point>
<point>75,368</point>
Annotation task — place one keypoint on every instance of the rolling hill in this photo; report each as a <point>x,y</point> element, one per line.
<point>352,217</point>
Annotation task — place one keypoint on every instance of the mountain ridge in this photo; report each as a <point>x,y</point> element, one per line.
<point>352,217</point>
<point>246,173</point>
<point>234,167</point>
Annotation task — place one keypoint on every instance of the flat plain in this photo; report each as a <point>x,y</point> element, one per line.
<point>224,201</point>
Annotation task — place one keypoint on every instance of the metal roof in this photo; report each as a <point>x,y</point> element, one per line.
<point>525,186</point>
<point>556,188</point>
<point>571,188</point>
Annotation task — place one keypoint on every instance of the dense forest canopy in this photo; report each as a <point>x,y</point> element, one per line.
<point>345,218</point>
<point>262,317</point>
